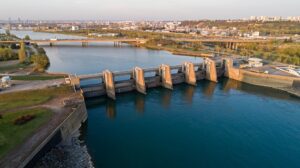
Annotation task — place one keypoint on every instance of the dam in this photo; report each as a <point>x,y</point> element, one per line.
<point>205,123</point>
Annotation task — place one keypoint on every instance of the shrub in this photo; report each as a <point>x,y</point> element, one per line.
<point>41,62</point>
<point>24,119</point>
<point>2,140</point>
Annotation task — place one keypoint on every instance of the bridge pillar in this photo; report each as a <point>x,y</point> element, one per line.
<point>117,44</point>
<point>166,77</point>
<point>138,74</point>
<point>84,44</point>
<point>211,71</point>
<point>51,44</point>
<point>237,46</point>
<point>190,75</point>
<point>109,84</point>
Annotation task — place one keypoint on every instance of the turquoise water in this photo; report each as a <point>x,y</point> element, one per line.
<point>228,124</point>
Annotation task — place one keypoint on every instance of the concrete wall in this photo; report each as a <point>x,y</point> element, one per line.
<point>261,79</point>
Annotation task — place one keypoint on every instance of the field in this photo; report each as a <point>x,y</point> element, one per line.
<point>12,135</point>
<point>19,104</point>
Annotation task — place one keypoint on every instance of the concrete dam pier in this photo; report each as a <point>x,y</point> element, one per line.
<point>165,76</point>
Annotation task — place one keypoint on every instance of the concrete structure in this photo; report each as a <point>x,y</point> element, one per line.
<point>186,73</point>
<point>109,84</point>
<point>255,62</point>
<point>211,71</point>
<point>166,77</point>
<point>189,71</point>
<point>138,74</point>
<point>285,83</point>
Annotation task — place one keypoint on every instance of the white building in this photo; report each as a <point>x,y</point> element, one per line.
<point>255,62</point>
<point>255,34</point>
<point>74,28</point>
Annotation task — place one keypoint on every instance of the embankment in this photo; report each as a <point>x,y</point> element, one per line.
<point>285,83</point>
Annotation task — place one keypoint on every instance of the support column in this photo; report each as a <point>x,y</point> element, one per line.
<point>166,77</point>
<point>190,75</point>
<point>140,85</point>
<point>211,71</point>
<point>84,44</point>
<point>237,46</point>
<point>51,44</point>
<point>109,84</point>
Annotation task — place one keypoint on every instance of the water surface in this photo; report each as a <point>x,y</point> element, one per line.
<point>228,124</point>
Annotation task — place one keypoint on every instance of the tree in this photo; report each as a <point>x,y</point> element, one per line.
<point>27,37</point>
<point>22,53</point>
<point>41,62</point>
<point>7,32</point>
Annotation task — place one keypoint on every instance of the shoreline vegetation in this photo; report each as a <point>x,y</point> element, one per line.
<point>285,51</point>
<point>23,61</point>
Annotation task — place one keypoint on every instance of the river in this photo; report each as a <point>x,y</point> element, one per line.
<point>228,124</point>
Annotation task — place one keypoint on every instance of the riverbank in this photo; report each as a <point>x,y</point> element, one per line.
<point>182,52</point>
<point>55,114</point>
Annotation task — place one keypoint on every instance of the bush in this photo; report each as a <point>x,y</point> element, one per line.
<point>41,62</point>
<point>7,54</point>
<point>24,119</point>
<point>2,140</point>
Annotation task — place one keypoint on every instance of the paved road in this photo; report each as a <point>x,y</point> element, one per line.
<point>32,85</point>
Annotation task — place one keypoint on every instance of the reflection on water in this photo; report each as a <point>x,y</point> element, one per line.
<point>206,88</point>
<point>209,88</point>
<point>188,93</point>
<point>229,84</point>
<point>139,103</point>
<point>166,98</point>
<point>111,110</point>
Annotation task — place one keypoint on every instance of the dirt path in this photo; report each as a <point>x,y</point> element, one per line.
<point>32,85</point>
<point>8,63</point>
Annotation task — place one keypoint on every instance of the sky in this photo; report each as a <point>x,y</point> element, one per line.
<point>145,9</point>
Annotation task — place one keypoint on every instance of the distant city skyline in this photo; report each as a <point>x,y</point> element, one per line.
<point>145,9</point>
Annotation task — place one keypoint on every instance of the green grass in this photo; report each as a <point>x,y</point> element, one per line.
<point>21,99</point>
<point>13,135</point>
<point>4,69</point>
<point>37,77</point>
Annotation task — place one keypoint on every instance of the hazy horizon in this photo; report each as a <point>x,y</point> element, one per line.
<point>145,9</point>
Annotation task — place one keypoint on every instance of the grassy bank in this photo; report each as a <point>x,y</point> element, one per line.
<point>176,51</point>
<point>17,105</point>
<point>16,100</point>
<point>12,135</point>
<point>15,67</point>
<point>37,77</point>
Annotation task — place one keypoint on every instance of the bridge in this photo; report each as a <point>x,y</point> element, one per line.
<point>232,43</point>
<point>84,41</point>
